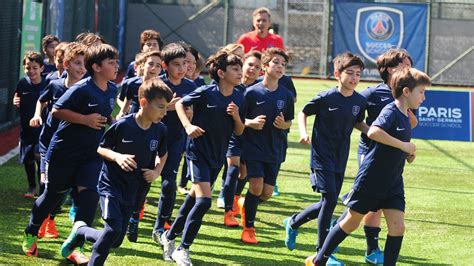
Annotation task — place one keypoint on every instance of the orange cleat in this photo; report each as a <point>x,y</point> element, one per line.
<point>249,236</point>
<point>167,226</point>
<point>235,206</point>
<point>240,204</point>
<point>229,219</point>
<point>51,231</point>
<point>78,257</point>
<point>42,229</point>
<point>309,261</point>
<point>142,212</point>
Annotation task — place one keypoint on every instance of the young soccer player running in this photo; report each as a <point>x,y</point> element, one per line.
<point>58,63</point>
<point>218,112</point>
<point>72,159</point>
<point>49,43</point>
<point>130,147</point>
<point>74,66</point>
<point>27,93</point>
<point>236,171</point>
<point>174,57</point>
<point>379,181</point>
<point>150,40</point>
<point>270,109</point>
<point>337,111</point>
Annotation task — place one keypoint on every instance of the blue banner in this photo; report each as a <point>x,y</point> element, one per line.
<point>369,30</point>
<point>445,115</point>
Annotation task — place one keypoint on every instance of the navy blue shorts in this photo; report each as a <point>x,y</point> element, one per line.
<point>200,171</point>
<point>61,176</point>
<point>170,170</point>
<point>325,181</point>
<point>363,204</point>
<point>269,171</point>
<point>235,147</point>
<point>112,209</point>
<point>28,151</point>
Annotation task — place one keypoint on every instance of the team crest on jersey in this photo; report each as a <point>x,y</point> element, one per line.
<point>112,103</point>
<point>378,29</point>
<point>355,110</point>
<point>280,104</point>
<point>153,145</point>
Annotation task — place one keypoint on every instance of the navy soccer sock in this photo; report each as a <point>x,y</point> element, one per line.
<point>194,221</point>
<point>328,204</point>
<point>251,204</point>
<point>181,217</point>
<point>101,248</point>
<point>224,176</point>
<point>229,186</point>
<point>372,238</point>
<point>240,185</point>
<point>334,238</point>
<point>392,249</point>
<point>308,214</point>
<point>167,200</point>
<point>41,209</point>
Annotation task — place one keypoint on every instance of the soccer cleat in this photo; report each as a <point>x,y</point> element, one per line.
<point>275,191</point>
<point>235,207</point>
<point>333,261</point>
<point>78,257</point>
<point>183,190</point>
<point>142,212</point>
<point>241,204</point>
<point>181,257</point>
<point>68,247</point>
<point>30,193</point>
<point>309,261</point>
<point>132,230</point>
<point>51,231</point>
<point>72,212</point>
<point>168,247</point>
<point>229,219</point>
<point>167,225</point>
<point>220,202</point>
<point>290,239</point>
<point>375,257</point>
<point>249,236</point>
<point>156,236</point>
<point>42,228</point>
<point>29,245</point>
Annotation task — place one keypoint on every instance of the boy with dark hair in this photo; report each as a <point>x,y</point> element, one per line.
<point>379,181</point>
<point>337,111</point>
<point>72,160</point>
<point>48,44</point>
<point>173,60</point>
<point>74,66</point>
<point>26,94</point>
<point>130,147</point>
<point>150,40</point>
<point>218,112</point>
<point>58,63</point>
<point>270,109</point>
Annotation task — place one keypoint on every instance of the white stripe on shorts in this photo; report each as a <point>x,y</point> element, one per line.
<point>192,170</point>
<point>106,207</point>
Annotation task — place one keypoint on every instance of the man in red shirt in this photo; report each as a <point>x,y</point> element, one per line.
<point>260,38</point>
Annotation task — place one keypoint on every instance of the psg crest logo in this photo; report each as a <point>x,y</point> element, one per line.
<point>153,145</point>
<point>280,104</point>
<point>355,110</point>
<point>378,29</point>
<point>112,103</point>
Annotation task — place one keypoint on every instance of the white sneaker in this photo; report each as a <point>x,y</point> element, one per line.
<point>156,236</point>
<point>220,203</point>
<point>168,247</point>
<point>181,257</point>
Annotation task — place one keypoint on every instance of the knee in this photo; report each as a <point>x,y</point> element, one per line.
<point>349,225</point>
<point>396,228</point>
<point>256,190</point>
<point>266,194</point>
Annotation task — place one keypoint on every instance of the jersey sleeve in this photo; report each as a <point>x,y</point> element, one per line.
<point>361,115</point>
<point>385,119</point>
<point>290,111</point>
<point>243,39</point>
<point>72,99</point>
<point>290,86</point>
<point>110,135</point>
<point>19,87</point>
<point>130,91</point>
<point>367,92</point>
<point>162,148</point>
<point>47,94</point>
<point>279,42</point>
<point>123,90</point>
<point>313,106</point>
<point>196,97</point>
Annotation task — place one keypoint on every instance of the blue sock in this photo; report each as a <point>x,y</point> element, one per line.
<point>251,204</point>
<point>167,200</point>
<point>392,249</point>
<point>194,221</point>
<point>306,215</point>
<point>334,238</point>
<point>178,224</point>
<point>328,204</point>
<point>109,235</point>
<point>241,185</point>
<point>229,186</point>
<point>372,238</point>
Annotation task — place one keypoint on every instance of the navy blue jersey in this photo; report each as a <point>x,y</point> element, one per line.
<point>130,72</point>
<point>125,84</point>
<point>268,144</point>
<point>199,81</point>
<point>210,114</point>
<point>75,142</point>
<point>335,119</point>
<point>377,97</point>
<point>29,94</point>
<point>55,75</point>
<point>132,93</point>
<point>380,174</point>
<point>284,81</point>
<point>125,136</point>
<point>48,68</point>
<point>50,95</point>
<point>176,133</point>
